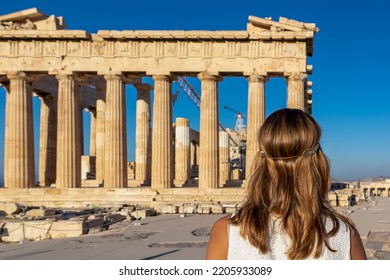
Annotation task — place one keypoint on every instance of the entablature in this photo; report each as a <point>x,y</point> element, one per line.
<point>265,47</point>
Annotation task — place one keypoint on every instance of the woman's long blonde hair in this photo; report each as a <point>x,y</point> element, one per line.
<point>289,180</point>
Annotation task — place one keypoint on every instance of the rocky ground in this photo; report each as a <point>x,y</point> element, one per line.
<point>137,234</point>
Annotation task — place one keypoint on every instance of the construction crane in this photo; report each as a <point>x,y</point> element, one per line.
<point>239,119</point>
<point>237,162</point>
<point>195,98</point>
<point>189,90</point>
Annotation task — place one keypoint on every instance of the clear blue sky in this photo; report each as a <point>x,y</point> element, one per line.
<point>351,88</point>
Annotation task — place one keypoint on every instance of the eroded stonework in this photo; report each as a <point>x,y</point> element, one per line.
<point>72,70</point>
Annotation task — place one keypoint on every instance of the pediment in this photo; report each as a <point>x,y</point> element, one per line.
<point>257,25</point>
<point>31,19</point>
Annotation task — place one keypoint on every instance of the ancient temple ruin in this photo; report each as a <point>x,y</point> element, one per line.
<point>72,70</point>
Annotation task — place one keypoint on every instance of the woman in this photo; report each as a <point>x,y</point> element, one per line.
<point>286,214</point>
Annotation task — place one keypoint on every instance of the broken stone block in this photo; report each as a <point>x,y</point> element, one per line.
<point>217,209</point>
<point>343,203</point>
<point>61,229</point>
<point>204,209</point>
<point>40,212</point>
<point>230,210</point>
<point>10,208</point>
<point>111,219</point>
<point>17,231</point>
<point>333,203</point>
<point>332,196</point>
<point>143,213</point>
<point>187,209</point>
<point>93,223</point>
<point>170,209</point>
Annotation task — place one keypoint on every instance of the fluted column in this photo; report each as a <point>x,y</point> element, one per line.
<point>256,117</point>
<point>162,144</point>
<point>296,90</point>
<point>100,117</point>
<point>48,141</point>
<point>115,144</point>
<point>8,107</point>
<point>182,151</point>
<point>308,97</point>
<point>194,154</point>
<point>208,138</point>
<point>81,128</point>
<point>92,136</point>
<point>19,162</point>
<point>68,173</point>
<point>142,135</point>
<point>224,158</point>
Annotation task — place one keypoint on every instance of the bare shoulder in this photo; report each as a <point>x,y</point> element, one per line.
<point>221,223</point>
<point>357,248</point>
<point>218,243</point>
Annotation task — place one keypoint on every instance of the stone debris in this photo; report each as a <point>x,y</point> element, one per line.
<point>9,208</point>
<point>345,197</point>
<point>40,212</point>
<point>21,223</point>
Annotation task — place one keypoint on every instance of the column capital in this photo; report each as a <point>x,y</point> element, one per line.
<point>113,76</point>
<point>143,87</point>
<point>17,75</point>
<point>81,79</point>
<point>257,78</point>
<point>182,122</point>
<point>295,76</point>
<point>64,76</point>
<point>132,79</point>
<point>162,77</point>
<point>204,76</point>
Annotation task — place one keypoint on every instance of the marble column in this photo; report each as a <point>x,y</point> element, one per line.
<point>100,117</point>
<point>92,136</point>
<point>308,97</point>
<point>81,128</point>
<point>256,117</point>
<point>115,143</point>
<point>68,173</point>
<point>142,135</point>
<point>8,102</point>
<point>208,138</point>
<point>182,152</point>
<point>296,90</point>
<point>19,162</point>
<point>48,141</point>
<point>224,158</point>
<point>162,139</point>
<point>194,154</point>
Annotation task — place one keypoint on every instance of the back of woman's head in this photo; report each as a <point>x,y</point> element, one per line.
<point>290,169</point>
<point>289,181</point>
<point>289,133</point>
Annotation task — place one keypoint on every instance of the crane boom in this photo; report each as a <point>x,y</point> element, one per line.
<point>195,98</point>
<point>239,118</point>
<point>231,109</point>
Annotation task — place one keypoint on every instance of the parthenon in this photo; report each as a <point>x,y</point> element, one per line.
<point>72,70</point>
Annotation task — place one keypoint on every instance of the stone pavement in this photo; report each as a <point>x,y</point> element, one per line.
<point>161,237</point>
<point>372,219</point>
<point>173,237</point>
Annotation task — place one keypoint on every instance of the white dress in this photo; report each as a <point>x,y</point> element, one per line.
<point>241,249</point>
